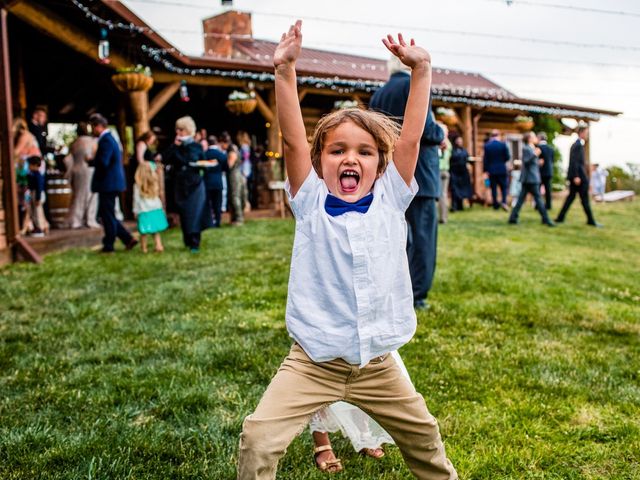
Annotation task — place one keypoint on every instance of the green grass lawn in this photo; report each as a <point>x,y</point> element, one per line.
<point>143,367</point>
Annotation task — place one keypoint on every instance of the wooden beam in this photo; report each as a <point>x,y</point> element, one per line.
<point>205,81</point>
<point>26,250</point>
<point>161,98</point>
<point>8,172</point>
<point>475,120</point>
<point>264,109</point>
<point>302,93</point>
<point>55,26</point>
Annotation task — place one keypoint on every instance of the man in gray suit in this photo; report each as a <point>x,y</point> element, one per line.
<point>530,179</point>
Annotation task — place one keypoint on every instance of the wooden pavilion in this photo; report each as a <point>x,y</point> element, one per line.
<point>49,56</point>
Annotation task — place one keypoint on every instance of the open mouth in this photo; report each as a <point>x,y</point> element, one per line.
<point>349,180</point>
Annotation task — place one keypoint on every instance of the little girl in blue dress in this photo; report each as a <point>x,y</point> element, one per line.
<point>147,206</point>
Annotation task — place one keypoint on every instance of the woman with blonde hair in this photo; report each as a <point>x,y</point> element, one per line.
<point>147,206</point>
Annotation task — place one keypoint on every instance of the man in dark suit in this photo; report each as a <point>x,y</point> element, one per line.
<point>578,179</point>
<point>494,164</point>
<point>108,182</point>
<point>213,178</point>
<point>546,169</point>
<point>38,127</point>
<point>421,215</point>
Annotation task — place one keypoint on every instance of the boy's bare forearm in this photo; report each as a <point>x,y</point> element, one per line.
<point>288,109</point>
<point>296,148</point>
<point>405,155</point>
<point>415,115</point>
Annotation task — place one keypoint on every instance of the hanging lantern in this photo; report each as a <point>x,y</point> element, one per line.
<point>184,93</point>
<point>103,47</point>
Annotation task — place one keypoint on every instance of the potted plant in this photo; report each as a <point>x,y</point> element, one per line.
<point>524,123</point>
<point>133,79</point>
<point>241,102</point>
<point>447,116</point>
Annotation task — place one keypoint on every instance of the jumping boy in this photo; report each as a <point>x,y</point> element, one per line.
<point>350,299</point>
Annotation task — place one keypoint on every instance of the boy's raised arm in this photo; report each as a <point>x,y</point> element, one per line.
<point>407,148</point>
<point>296,148</point>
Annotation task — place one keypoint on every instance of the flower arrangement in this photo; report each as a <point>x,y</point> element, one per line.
<point>341,104</point>
<point>523,119</point>
<point>238,95</point>
<point>135,69</point>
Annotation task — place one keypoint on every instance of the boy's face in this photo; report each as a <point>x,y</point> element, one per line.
<point>349,161</point>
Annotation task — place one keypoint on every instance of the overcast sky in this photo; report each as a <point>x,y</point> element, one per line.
<point>582,52</point>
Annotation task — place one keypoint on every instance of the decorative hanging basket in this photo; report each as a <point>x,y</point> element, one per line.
<point>241,107</point>
<point>450,120</point>
<point>447,116</point>
<point>524,124</point>
<point>132,81</point>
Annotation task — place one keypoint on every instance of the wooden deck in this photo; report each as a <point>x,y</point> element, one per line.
<point>64,239</point>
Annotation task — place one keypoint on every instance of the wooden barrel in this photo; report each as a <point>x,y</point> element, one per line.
<point>58,198</point>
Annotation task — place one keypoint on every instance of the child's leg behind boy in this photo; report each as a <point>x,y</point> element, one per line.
<point>301,387</point>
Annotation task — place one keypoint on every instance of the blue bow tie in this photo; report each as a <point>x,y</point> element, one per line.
<point>334,206</point>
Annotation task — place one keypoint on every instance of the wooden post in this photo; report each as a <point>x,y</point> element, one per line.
<point>467,127</point>
<point>22,87</point>
<point>121,124</point>
<point>139,102</point>
<point>7,171</point>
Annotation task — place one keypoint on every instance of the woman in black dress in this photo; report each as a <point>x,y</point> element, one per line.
<point>189,190</point>
<point>460,180</point>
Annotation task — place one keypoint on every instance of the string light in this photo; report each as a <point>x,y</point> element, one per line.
<point>479,96</point>
<point>413,28</point>
<point>573,8</point>
<point>555,111</point>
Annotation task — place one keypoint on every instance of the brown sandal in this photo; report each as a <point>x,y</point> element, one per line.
<point>329,466</point>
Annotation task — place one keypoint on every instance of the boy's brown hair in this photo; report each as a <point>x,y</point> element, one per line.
<point>383,129</point>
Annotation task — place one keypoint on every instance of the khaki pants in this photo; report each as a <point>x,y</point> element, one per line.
<point>443,201</point>
<point>302,387</point>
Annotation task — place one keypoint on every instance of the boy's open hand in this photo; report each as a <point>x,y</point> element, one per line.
<point>411,55</point>
<point>288,49</point>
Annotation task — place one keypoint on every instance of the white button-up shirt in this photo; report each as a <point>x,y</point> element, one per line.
<point>350,292</point>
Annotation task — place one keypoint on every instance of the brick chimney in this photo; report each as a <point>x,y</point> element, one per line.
<point>218,32</point>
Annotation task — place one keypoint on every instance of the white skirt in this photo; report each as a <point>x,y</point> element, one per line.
<point>362,430</point>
